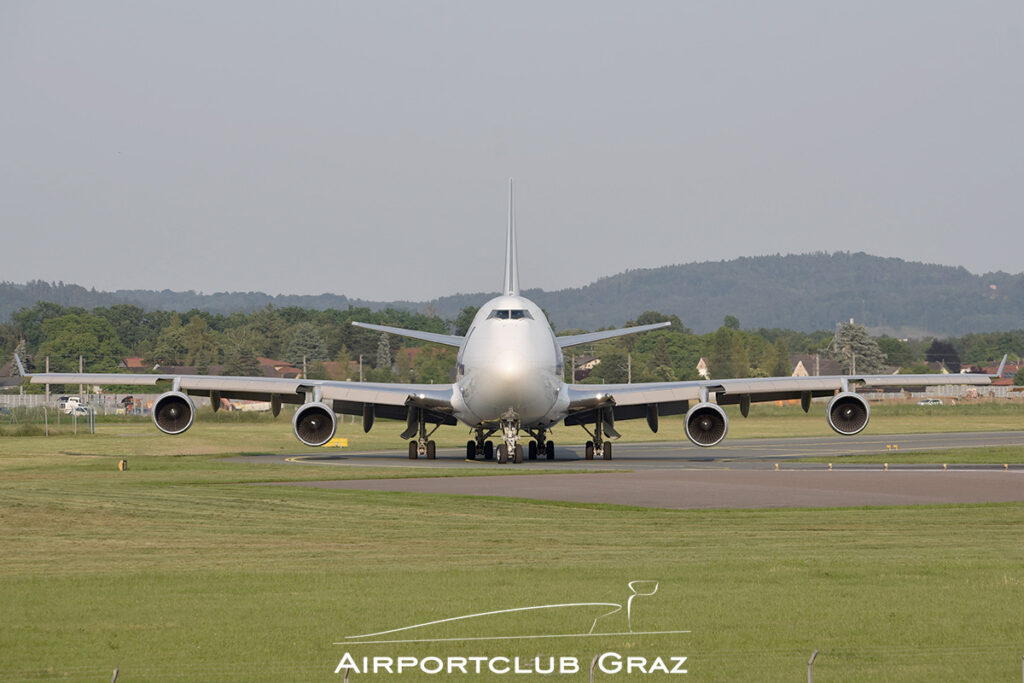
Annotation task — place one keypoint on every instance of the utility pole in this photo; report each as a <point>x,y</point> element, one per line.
<point>360,367</point>
<point>47,384</point>
<point>81,393</point>
<point>629,367</point>
<point>304,368</point>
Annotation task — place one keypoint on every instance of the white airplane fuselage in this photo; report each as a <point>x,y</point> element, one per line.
<point>510,367</point>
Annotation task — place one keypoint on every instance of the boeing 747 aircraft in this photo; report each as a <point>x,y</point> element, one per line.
<point>509,383</point>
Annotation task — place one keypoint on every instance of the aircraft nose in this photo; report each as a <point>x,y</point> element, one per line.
<point>510,369</point>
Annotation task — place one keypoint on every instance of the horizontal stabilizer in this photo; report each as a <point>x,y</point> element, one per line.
<point>446,339</point>
<point>575,339</point>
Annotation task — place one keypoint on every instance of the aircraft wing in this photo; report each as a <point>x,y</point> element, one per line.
<point>446,339</point>
<point>349,397</point>
<point>675,395</point>
<point>588,337</point>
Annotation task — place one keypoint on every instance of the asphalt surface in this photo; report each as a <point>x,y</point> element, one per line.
<point>702,489</point>
<point>742,474</point>
<point>740,453</point>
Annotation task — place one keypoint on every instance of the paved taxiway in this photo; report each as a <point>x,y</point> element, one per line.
<point>738,475</point>
<point>736,454</point>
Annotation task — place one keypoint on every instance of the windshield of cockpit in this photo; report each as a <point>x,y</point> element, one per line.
<point>510,314</point>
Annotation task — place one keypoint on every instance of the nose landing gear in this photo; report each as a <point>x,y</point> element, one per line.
<point>511,448</point>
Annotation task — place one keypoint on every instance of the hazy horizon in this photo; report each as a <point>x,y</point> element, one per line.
<point>364,149</point>
<point>496,290</point>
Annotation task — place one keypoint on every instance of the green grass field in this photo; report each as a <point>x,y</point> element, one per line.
<point>232,433</point>
<point>182,568</point>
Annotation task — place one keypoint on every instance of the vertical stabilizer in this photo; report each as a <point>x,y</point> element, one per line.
<point>511,260</point>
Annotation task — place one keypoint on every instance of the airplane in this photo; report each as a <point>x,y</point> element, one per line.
<point>509,382</point>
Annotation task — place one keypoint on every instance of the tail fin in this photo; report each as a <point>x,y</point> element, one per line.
<point>511,259</point>
<point>999,372</point>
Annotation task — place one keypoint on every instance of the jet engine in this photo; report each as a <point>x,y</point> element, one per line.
<point>173,412</point>
<point>848,413</point>
<point>706,424</point>
<point>314,424</point>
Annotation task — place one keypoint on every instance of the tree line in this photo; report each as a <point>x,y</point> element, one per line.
<point>231,344</point>
<point>330,345</point>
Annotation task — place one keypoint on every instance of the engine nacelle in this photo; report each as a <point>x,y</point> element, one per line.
<point>848,413</point>
<point>173,412</point>
<point>706,424</point>
<point>314,424</point>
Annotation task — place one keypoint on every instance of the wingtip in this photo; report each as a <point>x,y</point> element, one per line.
<point>1002,366</point>
<point>21,368</point>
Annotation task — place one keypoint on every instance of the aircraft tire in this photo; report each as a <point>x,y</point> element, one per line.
<point>413,454</point>
<point>488,450</point>
<point>549,449</point>
<point>431,450</point>
<point>533,450</point>
<point>588,450</point>
<point>502,454</point>
<point>471,450</point>
<point>607,451</point>
<point>518,458</point>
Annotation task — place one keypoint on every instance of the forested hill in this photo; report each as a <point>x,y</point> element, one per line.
<point>803,292</point>
<point>800,292</point>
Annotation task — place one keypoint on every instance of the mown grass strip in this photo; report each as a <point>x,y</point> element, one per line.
<point>176,572</point>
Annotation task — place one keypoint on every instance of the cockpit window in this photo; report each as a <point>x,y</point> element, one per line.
<point>514,314</point>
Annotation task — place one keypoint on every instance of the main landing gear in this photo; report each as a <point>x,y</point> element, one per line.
<point>604,426</point>
<point>418,448</point>
<point>540,445</point>
<point>423,445</point>
<point>510,450</point>
<point>480,446</point>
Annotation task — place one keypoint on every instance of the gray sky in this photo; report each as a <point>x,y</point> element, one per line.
<point>364,149</point>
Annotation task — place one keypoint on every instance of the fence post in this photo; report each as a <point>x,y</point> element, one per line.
<point>810,667</point>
